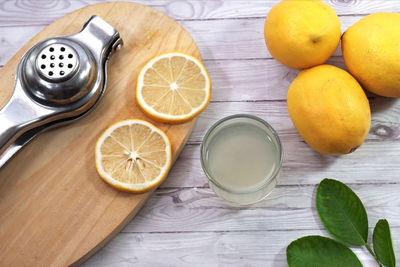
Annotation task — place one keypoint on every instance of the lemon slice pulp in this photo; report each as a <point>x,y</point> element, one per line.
<point>173,88</point>
<point>133,156</point>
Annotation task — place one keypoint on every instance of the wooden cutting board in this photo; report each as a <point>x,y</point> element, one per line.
<point>54,208</point>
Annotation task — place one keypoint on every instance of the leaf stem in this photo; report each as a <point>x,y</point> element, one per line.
<point>372,253</point>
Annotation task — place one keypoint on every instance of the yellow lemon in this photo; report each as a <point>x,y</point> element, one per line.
<point>302,34</point>
<point>371,51</point>
<point>329,109</point>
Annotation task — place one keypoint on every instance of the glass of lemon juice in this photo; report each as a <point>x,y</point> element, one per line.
<point>241,156</point>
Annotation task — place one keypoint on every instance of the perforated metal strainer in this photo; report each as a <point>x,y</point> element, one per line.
<point>58,80</point>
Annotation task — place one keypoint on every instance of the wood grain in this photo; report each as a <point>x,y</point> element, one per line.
<point>301,163</point>
<point>55,210</point>
<point>247,248</point>
<point>385,113</point>
<point>247,80</point>
<point>287,209</point>
<point>29,13</point>
<point>304,166</point>
<point>255,79</point>
<point>217,39</point>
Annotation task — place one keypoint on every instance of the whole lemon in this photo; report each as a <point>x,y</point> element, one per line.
<point>371,52</point>
<point>329,109</point>
<point>302,34</point>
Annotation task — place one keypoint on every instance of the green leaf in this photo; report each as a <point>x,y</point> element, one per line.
<point>319,251</point>
<point>342,212</point>
<point>383,245</point>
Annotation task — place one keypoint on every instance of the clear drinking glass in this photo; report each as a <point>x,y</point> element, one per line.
<point>241,156</point>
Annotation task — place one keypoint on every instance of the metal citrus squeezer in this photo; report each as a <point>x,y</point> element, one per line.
<point>58,80</point>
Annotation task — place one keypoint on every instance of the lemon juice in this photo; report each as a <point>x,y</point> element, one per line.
<point>241,155</point>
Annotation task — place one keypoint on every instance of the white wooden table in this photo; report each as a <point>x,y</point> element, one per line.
<point>185,223</point>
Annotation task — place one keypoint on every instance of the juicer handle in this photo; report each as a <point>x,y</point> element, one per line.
<point>17,117</point>
<point>14,120</point>
<point>100,37</point>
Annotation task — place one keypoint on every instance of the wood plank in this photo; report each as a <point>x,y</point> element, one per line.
<point>14,13</point>
<point>217,39</point>
<point>13,38</point>
<point>258,79</point>
<point>239,39</point>
<point>261,79</point>
<point>54,209</point>
<point>304,166</point>
<point>255,76</point>
<point>385,116</point>
<point>258,248</point>
<point>301,163</point>
<point>254,79</point>
<point>287,209</point>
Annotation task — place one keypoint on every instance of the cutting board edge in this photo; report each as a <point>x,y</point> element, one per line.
<point>11,64</point>
<point>128,219</point>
